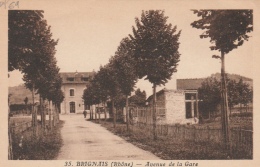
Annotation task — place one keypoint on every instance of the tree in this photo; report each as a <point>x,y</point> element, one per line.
<point>40,67</point>
<point>109,85</point>
<point>125,71</point>
<point>155,50</point>
<point>232,92</point>
<point>138,99</point>
<point>31,50</point>
<point>227,29</point>
<point>21,39</point>
<point>89,97</point>
<point>103,86</point>
<point>245,94</point>
<point>22,25</point>
<point>54,93</point>
<point>209,93</point>
<point>94,94</point>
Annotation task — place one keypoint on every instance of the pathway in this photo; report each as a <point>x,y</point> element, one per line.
<point>84,140</point>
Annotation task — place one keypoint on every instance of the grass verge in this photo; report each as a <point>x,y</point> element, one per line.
<point>168,149</point>
<point>44,147</point>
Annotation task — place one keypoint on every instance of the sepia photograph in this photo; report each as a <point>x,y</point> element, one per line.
<point>130,83</point>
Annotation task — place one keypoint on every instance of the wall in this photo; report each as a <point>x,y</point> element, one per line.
<point>77,98</point>
<point>175,106</point>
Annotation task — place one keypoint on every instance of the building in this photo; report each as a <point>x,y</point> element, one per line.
<point>73,85</point>
<point>179,106</point>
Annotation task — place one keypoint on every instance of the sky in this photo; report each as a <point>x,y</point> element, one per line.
<point>89,33</point>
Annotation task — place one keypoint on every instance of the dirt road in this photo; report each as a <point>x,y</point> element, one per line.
<point>84,140</point>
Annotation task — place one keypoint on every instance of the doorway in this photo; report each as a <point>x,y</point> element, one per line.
<point>72,107</point>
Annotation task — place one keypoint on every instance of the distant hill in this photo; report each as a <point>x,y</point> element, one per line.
<point>195,83</point>
<point>18,94</point>
<point>235,77</point>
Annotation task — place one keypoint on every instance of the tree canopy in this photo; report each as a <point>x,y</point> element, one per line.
<point>227,29</point>
<point>22,27</point>
<point>32,51</point>
<point>155,47</point>
<point>125,67</point>
<point>139,98</point>
<point>209,93</point>
<point>238,92</point>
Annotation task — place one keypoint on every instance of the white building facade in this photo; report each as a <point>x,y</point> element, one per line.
<point>73,85</point>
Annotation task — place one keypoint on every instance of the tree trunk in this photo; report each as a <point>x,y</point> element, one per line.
<point>154,113</point>
<point>105,110</point>
<point>58,114</point>
<point>114,114</point>
<point>127,114</point>
<point>54,115</point>
<point>36,121</point>
<point>50,114</point>
<point>41,111</point>
<point>33,113</point>
<point>90,113</point>
<point>224,103</point>
<point>95,113</point>
<point>44,117</point>
<point>98,113</point>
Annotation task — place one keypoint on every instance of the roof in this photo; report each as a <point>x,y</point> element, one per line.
<point>157,94</point>
<point>189,84</point>
<point>76,77</point>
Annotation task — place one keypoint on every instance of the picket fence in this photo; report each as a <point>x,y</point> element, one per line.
<point>240,139</point>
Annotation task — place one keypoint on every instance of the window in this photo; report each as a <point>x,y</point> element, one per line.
<point>84,79</point>
<point>188,110</point>
<point>71,92</point>
<point>70,79</point>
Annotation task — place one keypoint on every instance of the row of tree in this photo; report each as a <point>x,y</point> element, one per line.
<point>31,50</point>
<point>238,92</point>
<point>151,52</point>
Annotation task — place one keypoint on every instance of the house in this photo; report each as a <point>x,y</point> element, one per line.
<point>179,106</point>
<point>73,85</point>
<point>195,84</point>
